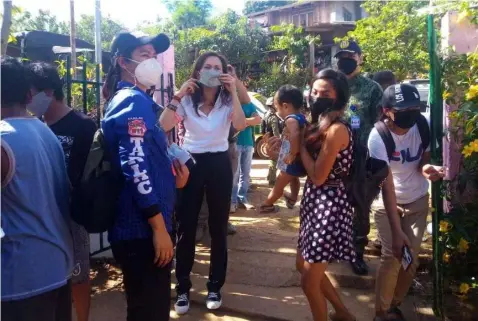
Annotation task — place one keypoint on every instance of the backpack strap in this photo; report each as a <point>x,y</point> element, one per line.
<point>424,130</point>
<point>387,138</point>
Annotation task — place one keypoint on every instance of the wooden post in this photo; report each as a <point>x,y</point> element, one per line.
<point>73,38</point>
<point>6,24</point>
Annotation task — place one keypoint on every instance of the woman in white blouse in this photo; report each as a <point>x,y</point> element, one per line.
<point>208,105</point>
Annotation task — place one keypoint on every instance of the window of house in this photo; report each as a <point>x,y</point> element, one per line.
<point>310,18</point>
<point>295,20</point>
<point>347,15</point>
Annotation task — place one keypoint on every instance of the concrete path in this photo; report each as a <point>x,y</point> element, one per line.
<point>262,283</point>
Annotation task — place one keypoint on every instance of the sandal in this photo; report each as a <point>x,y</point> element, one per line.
<point>394,313</point>
<point>289,201</point>
<point>267,209</point>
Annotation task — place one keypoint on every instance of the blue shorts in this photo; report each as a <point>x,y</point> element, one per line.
<point>296,169</point>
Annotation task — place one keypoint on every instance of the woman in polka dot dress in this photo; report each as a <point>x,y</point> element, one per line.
<point>325,212</point>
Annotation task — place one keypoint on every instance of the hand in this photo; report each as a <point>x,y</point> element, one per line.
<point>188,88</point>
<point>400,240</point>
<point>163,247</point>
<point>182,174</point>
<point>289,159</point>
<point>273,145</point>
<point>231,71</point>
<point>229,82</point>
<point>433,173</point>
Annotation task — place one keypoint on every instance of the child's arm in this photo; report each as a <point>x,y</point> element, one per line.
<point>294,138</point>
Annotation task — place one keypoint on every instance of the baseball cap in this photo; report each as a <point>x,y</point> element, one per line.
<point>401,96</point>
<point>125,42</point>
<point>349,47</point>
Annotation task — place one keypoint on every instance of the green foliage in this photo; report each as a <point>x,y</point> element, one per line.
<point>393,37</point>
<point>460,83</point>
<point>44,21</point>
<point>189,13</point>
<point>275,76</point>
<point>295,41</point>
<point>85,29</point>
<point>228,34</point>
<point>252,6</point>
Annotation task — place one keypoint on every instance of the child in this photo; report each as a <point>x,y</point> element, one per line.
<point>288,102</point>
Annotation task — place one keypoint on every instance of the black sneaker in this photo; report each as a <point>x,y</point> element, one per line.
<point>359,266</point>
<point>182,303</point>
<point>214,300</point>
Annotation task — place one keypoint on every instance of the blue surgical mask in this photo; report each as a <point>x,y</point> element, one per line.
<point>40,103</point>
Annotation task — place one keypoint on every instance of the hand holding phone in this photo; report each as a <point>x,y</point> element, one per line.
<point>407,258</point>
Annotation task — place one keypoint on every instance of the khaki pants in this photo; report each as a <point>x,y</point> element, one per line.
<point>393,282</point>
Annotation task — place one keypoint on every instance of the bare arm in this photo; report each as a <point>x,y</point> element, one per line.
<point>169,118</point>
<point>5,164</point>
<point>254,120</point>
<point>242,92</point>
<point>336,139</point>
<point>390,203</point>
<point>294,135</point>
<point>238,117</point>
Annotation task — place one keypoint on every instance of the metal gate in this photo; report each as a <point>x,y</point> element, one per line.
<point>91,104</point>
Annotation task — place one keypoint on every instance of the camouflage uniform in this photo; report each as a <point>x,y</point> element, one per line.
<point>366,96</point>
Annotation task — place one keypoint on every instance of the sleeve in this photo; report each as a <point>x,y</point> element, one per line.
<point>80,150</point>
<point>249,109</point>
<point>132,133</point>
<point>376,146</point>
<point>375,101</point>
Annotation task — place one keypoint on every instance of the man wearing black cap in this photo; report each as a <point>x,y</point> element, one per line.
<point>362,114</point>
<point>140,237</point>
<point>402,140</point>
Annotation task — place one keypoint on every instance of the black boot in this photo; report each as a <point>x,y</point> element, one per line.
<point>359,266</point>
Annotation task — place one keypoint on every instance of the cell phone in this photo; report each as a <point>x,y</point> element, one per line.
<point>190,163</point>
<point>407,258</point>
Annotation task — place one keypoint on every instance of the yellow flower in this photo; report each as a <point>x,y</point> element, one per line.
<point>470,148</point>
<point>464,288</point>
<point>463,246</point>
<point>446,95</point>
<point>444,226</point>
<point>453,115</point>
<point>446,257</point>
<point>472,92</point>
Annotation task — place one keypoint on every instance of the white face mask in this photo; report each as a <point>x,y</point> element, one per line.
<point>40,103</point>
<point>148,72</point>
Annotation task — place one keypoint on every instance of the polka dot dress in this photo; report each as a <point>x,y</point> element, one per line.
<point>326,216</point>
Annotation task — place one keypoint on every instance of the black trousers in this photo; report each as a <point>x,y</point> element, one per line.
<point>361,228</point>
<point>53,305</point>
<point>147,287</point>
<point>211,174</point>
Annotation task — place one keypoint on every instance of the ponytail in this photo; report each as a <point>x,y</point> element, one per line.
<point>111,81</point>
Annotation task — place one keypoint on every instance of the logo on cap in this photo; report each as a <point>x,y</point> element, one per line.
<point>344,44</point>
<point>398,94</point>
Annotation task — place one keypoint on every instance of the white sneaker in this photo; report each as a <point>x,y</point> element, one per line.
<point>182,304</point>
<point>233,208</point>
<point>214,300</point>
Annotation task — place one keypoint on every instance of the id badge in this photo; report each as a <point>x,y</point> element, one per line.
<point>355,122</point>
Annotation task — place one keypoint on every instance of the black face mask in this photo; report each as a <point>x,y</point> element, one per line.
<point>347,65</point>
<point>319,105</point>
<point>406,119</point>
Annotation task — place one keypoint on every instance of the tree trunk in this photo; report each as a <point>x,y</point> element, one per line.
<point>6,24</point>
<point>73,38</point>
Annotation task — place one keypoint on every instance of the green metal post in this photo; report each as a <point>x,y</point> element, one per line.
<point>84,87</point>
<point>98,95</point>
<point>436,120</point>
<point>68,80</point>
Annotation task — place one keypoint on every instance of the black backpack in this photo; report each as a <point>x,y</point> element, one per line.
<point>94,202</point>
<point>365,179</point>
<point>387,138</point>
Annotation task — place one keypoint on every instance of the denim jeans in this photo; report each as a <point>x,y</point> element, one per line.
<point>242,176</point>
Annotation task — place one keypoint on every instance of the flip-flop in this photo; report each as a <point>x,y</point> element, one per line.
<point>267,209</point>
<point>334,317</point>
<point>289,201</point>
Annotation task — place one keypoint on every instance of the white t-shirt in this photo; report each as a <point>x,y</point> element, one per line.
<point>205,133</point>
<point>410,184</point>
